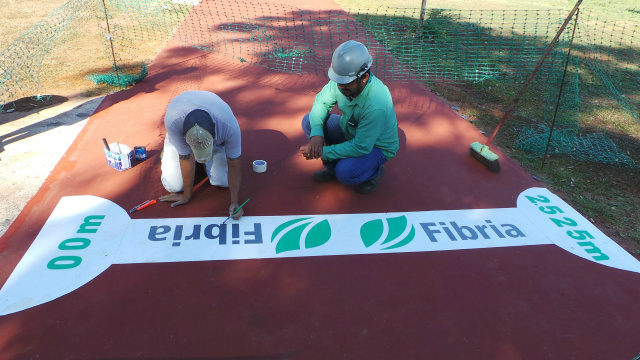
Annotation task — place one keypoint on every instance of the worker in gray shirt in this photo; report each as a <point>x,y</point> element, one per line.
<point>201,128</point>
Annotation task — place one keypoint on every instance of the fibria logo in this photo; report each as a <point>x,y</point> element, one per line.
<point>75,245</point>
<point>374,231</point>
<point>292,239</point>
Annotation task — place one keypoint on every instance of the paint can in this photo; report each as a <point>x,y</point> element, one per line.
<point>259,166</point>
<point>140,153</point>
<point>119,157</point>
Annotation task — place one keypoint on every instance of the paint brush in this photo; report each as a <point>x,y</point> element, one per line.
<point>236,211</point>
<point>120,150</point>
<point>106,144</point>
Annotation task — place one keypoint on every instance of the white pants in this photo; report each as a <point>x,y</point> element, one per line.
<point>217,168</point>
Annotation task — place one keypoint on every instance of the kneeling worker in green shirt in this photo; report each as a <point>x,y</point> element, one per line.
<point>353,147</point>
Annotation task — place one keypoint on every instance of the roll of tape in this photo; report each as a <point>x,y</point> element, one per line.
<point>260,166</point>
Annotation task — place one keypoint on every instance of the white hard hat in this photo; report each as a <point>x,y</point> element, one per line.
<point>350,60</point>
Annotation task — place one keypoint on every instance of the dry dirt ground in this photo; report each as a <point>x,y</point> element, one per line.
<point>33,138</point>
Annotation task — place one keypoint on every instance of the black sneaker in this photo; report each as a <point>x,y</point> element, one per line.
<point>370,186</point>
<point>324,175</point>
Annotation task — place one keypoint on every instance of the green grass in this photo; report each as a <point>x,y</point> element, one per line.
<point>608,9</point>
<point>18,16</point>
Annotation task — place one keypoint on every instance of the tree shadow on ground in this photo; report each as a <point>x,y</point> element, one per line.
<point>67,118</point>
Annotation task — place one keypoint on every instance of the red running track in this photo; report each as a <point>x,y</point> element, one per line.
<point>531,302</point>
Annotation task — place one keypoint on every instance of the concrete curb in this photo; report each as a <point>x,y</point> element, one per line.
<point>31,145</point>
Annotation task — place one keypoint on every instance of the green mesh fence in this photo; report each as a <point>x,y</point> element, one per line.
<point>25,61</point>
<point>456,45</point>
<point>470,47</point>
<point>533,136</point>
<point>598,148</point>
<point>118,77</point>
<point>133,32</point>
<point>613,54</point>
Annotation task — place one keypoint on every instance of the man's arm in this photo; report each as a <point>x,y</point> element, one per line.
<point>370,127</point>
<point>235,179</point>
<point>325,101</point>
<point>314,149</point>
<point>188,170</point>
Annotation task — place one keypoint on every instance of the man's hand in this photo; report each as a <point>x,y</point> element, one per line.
<point>188,170</point>
<point>314,149</point>
<point>177,199</point>
<point>304,150</point>
<point>233,208</point>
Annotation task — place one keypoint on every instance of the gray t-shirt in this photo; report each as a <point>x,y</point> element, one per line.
<point>227,129</point>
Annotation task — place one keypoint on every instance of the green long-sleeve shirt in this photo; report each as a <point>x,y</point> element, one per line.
<point>372,113</point>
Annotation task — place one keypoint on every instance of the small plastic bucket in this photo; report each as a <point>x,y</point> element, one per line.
<point>120,156</point>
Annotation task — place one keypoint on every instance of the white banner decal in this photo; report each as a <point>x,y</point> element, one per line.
<point>85,235</point>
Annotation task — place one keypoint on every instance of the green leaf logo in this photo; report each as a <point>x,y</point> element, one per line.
<point>289,236</point>
<point>388,233</point>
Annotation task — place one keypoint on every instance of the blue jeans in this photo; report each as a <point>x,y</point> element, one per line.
<point>349,171</point>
